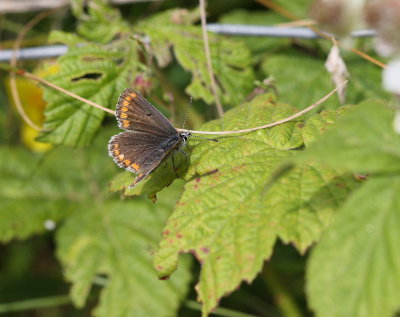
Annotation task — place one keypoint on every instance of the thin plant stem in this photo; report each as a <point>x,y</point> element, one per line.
<point>208,58</point>
<point>93,104</point>
<point>71,94</point>
<point>282,11</point>
<point>283,299</point>
<point>13,63</point>
<point>36,303</point>
<point>269,125</point>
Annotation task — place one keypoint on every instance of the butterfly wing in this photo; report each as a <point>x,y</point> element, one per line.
<point>141,152</point>
<point>148,139</point>
<point>135,113</point>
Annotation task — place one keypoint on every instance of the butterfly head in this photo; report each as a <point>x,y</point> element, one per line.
<point>185,136</point>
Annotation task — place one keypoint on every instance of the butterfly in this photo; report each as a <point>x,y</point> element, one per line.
<point>148,139</point>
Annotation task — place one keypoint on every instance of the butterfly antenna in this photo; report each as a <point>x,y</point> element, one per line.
<point>203,138</point>
<point>187,112</point>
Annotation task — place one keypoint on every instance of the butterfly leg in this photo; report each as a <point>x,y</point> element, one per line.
<point>173,164</point>
<point>186,155</point>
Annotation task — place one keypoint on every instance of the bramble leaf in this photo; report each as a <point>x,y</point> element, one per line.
<point>231,59</point>
<point>235,206</point>
<point>357,262</point>
<point>115,239</point>
<point>30,191</point>
<point>92,68</point>
<point>95,73</point>
<point>363,140</point>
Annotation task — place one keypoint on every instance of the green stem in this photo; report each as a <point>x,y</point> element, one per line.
<point>219,311</point>
<point>283,299</point>
<point>35,303</point>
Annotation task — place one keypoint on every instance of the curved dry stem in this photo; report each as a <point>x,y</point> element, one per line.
<point>269,125</point>
<point>49,84</point>
<point>208,58</point>
<point>13,64</point>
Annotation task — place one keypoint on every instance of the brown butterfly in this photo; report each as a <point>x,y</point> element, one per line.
<point>148,138</point>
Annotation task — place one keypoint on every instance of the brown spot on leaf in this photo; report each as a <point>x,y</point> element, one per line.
<point>205,250</point>
<point>164,278</point>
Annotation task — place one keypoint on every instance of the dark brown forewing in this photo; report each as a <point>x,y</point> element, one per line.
<point>141,152</point>
<point>135,113</point>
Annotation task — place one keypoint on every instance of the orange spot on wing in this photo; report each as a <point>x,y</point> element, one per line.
<point>120,157</point>
<point>127,162</point>
<point>125,123</point>
<point>128,98</point>
<point>123,116</point>
<point>135,166</point>
<point>125,103</point>
<point>116,152</point>
<point>124,109</point>
<point>133,95</point>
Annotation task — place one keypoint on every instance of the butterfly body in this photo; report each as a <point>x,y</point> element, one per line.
<point>148,138</point>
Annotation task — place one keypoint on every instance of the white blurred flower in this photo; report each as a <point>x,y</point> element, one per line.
<point>391,77</point>
<point>396,122</point>
<point>50,224</point>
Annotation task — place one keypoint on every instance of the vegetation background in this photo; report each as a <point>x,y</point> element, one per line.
<point>301,219</point>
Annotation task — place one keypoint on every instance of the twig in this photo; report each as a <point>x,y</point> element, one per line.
<point>23,73</point>
<point>49,84</point>
<point>13,63</point>
<point>36,303</point>
<point>91,103</point>
<point>208,58</point>
<point>276,7</point>
<point>298,114</point>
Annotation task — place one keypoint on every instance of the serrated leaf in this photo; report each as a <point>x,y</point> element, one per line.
<point>363,140</point>
<point>102,23</point>
<point>162,177</point>
<point>235,207</point>
<point>320,122</point>
<point>94,72</point>
<point>231,59</point>
<point>116,238</point>
<point>357,262</point>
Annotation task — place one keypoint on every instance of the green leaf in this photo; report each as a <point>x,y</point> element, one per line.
<point>231,59</point>
<point>302,79</point>
<point>98,22</point>
<point>363,140</point>
<point>355,269</point>
<point>116,238</point>
<point>320,122</point>
<point>102,24</point>
<point>236,206</point>
<point>31,193</point>
<point>50,186</point>
<point>162,177</point>
<point>94,72</point>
